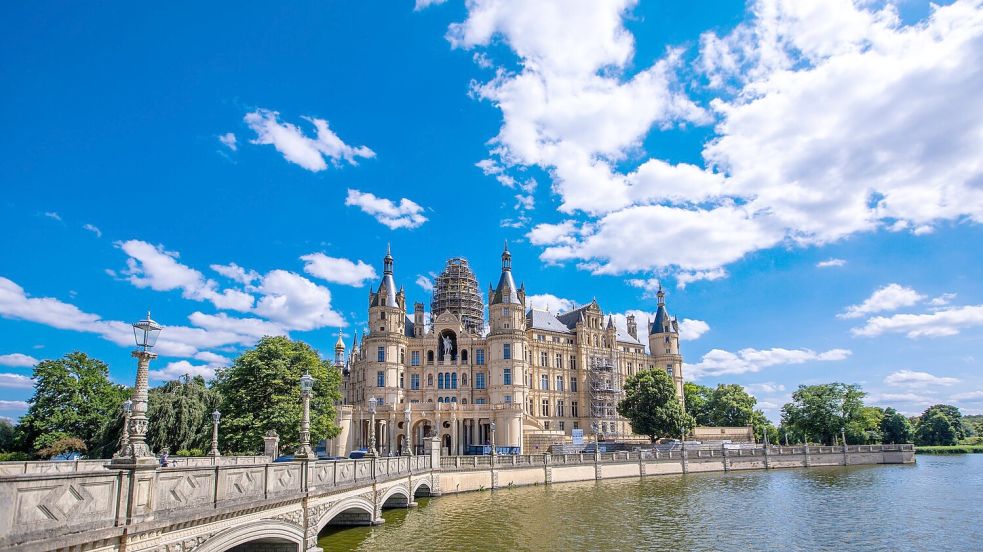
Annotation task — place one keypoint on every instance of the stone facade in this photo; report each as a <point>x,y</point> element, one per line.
<point>523,370</point>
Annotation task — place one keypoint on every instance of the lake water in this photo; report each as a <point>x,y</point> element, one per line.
<point>935,504</point>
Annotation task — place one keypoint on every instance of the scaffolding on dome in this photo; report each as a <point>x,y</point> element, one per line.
<point>604,387</point>
<point>456,290</point>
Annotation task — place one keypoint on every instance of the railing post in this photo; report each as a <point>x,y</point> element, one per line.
<point>547,469</point>
<point>684,457</point>
<point>723,450</point>
<point>765,447</point>
<point>806,446</point>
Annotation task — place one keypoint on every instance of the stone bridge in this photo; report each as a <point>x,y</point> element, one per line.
<point>248,504</point>
<point>237,503</point>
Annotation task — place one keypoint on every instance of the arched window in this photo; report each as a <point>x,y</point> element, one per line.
<point>440,399</point>
<point>453,399</point>
<point>454,381</point>
<point>464,355</point>
<point>440,381</point>
<point>430,381</point>
<point>464,380</point>
<point>382,316</point>
<point>464,401</point>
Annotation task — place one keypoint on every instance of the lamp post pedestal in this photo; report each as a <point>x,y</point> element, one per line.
<point>136,453</point>
<point>305,452</point>
<point>214,452</point>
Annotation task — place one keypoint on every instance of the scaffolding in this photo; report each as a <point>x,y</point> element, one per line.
<point>456,290</point>
<point>604,387</point>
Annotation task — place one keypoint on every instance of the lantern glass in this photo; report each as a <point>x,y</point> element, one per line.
<point>306,383</point>
<point>216,416</point>
<point>145,332</point>
<point>372,405</point>
<point>492,426</point>
<point>127,406</point>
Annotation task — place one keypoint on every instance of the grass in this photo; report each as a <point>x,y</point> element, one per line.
<point>953,449</point>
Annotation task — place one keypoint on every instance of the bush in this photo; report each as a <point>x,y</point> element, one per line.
<point>61,446</point>
<point>953,449</point>
<point>191,452</point>
<point>14,456</point>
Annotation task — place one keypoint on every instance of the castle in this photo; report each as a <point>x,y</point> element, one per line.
<point>529,376</point>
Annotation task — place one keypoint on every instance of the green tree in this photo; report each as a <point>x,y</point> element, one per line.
<point>73,397</point>
<point>8,436</point>
<point>652,407</point>
<point>895,427</point>
<point>180,415</point>
<point>61,446</point>
<point>820,411</point>
<point>260,391</point>
<point>940,424</point>
<point>731,406</point>
<point>865,428</point>
<point>761,424</point>
<point>698,402</point>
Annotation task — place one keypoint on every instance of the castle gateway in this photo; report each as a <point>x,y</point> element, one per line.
<point>527,379</point>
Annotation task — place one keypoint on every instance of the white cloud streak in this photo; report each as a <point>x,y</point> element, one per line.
<point>405,214</point>
<point>888,298</point>
<point>296,147</point>
<point>719,362</point>
<point>338,270</point>
<point>17,360</point>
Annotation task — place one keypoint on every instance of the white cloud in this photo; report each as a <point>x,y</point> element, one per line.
<point>690,329</point>
<point>650,286</point>
<point>718,362</point>
<point>764,388</point>
<point>830,263</point>
<point>229,140</point>
<point>236,273</point>
<point>296,147</point>
<point>338,270</point>
<point>153,267</point>
<point>550,302</point>
<point>943,322</point>
<point>14,405</point>
<point>685,278</point>
<point>296,303</point>
<point>942,300</point>
<point>425,283</point>
<point>969,396</point>
<point>53,215</point>
<point>15,381</point>
<point>221,322</point>
<point>888,298</point>
<point>406,214</point>
<point>909,378</point>
<point>17,359</point>
<point>887,150</point>
<point>93,228</point>
<point>423,4</point>
<point>212,358</point>
<point>174,370</point>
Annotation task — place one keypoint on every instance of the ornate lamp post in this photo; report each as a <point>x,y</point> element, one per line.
<point>407,449</point>
<point>305,452</point>
<point>494,451</point>
<point>127,410</point>
<point>372,451</point>
<point>216,416</point>
<point>136,452</point>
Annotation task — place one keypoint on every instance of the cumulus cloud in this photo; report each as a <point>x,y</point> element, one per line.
<point>229,140</point>
<point>943,322</point>
<point>828,263</point>
<point>719,362</point>
<point>296,147</point>
<point>425,282</point>
<point>690,329</point>
<point>888,298</point>
<point>942,300</point>
<point>296,303</point>
<point>338,270</point>
<point>93,228</point>
<point>14,405</point>
<point>424,4</point>
<point>887,150</point>
<point>550,302</point>
<point>174,370</point>
<point>405,214</point>
<point>151,266</point>
<point>18,360</point>
<point>910,378</point>
<point>15,381</point>
<point>236,273</point>
<point>650,286</point>
<point>969,396</point>
<point>764,388</point>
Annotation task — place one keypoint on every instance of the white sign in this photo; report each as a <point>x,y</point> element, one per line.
<point>578,436</point>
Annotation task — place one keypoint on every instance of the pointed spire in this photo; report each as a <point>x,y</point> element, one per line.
<point>387,261</point>
<point>661,295</point>
<point>610,322</point>
<point>506,258</point>
<point>339,345</point>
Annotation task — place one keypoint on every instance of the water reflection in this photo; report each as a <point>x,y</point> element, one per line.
<point>937,504</point>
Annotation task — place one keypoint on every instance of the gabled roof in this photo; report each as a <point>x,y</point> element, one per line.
<point>408,327</point>
<point>625,337</point>
<point>544,320</point>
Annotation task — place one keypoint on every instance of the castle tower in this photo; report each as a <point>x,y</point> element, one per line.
<point>632,326</point>
<point>508,366</point>
<point>339,352</point>
<point>384,345</point>
<point>664,344</point>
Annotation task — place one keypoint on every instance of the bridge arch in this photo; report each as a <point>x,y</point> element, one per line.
<point>396,497</point>
<point>266,531</point>
<point>422,486</point>
<point>351,511</point>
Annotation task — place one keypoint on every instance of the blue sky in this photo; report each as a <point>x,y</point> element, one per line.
<point>803,179</point>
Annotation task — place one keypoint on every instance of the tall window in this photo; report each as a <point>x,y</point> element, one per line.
<point>559,360</point>
<point>507,351</point>
<point>545,408</point>
<point>380,379</point>
<point>573,362</point>
<point>573,384</point>
<point>508,399</point>
<point>479,380</point>
<point>573,408</point>
<point>429,357</point>
<point>479,357</point>
<point>415,358</point>
<point>507,376</point>
<point>440,380</point>
<point>669,370</point>
<point>544,359</point>
<point>559,408</point>
<point>414,381</point>
<point>630,372</point>
<point>429,380</point>
<point>559,383</point>
<point>382,354</point>
<point>544,382</point>
<point>402,356</point>
<point>464,355</point>
<point>402,381</point>
<point>454,380</point>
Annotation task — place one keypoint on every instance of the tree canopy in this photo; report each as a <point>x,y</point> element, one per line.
<point>260,391</point>
<point>895,427</point>
<point>698,402</point>
<point>940,424</point>
<point>652,407</point>
<point>180,415</point>
<point>821,411</point>
<point>73,397</point>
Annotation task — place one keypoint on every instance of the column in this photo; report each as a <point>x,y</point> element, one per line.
<point>455,444</point>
